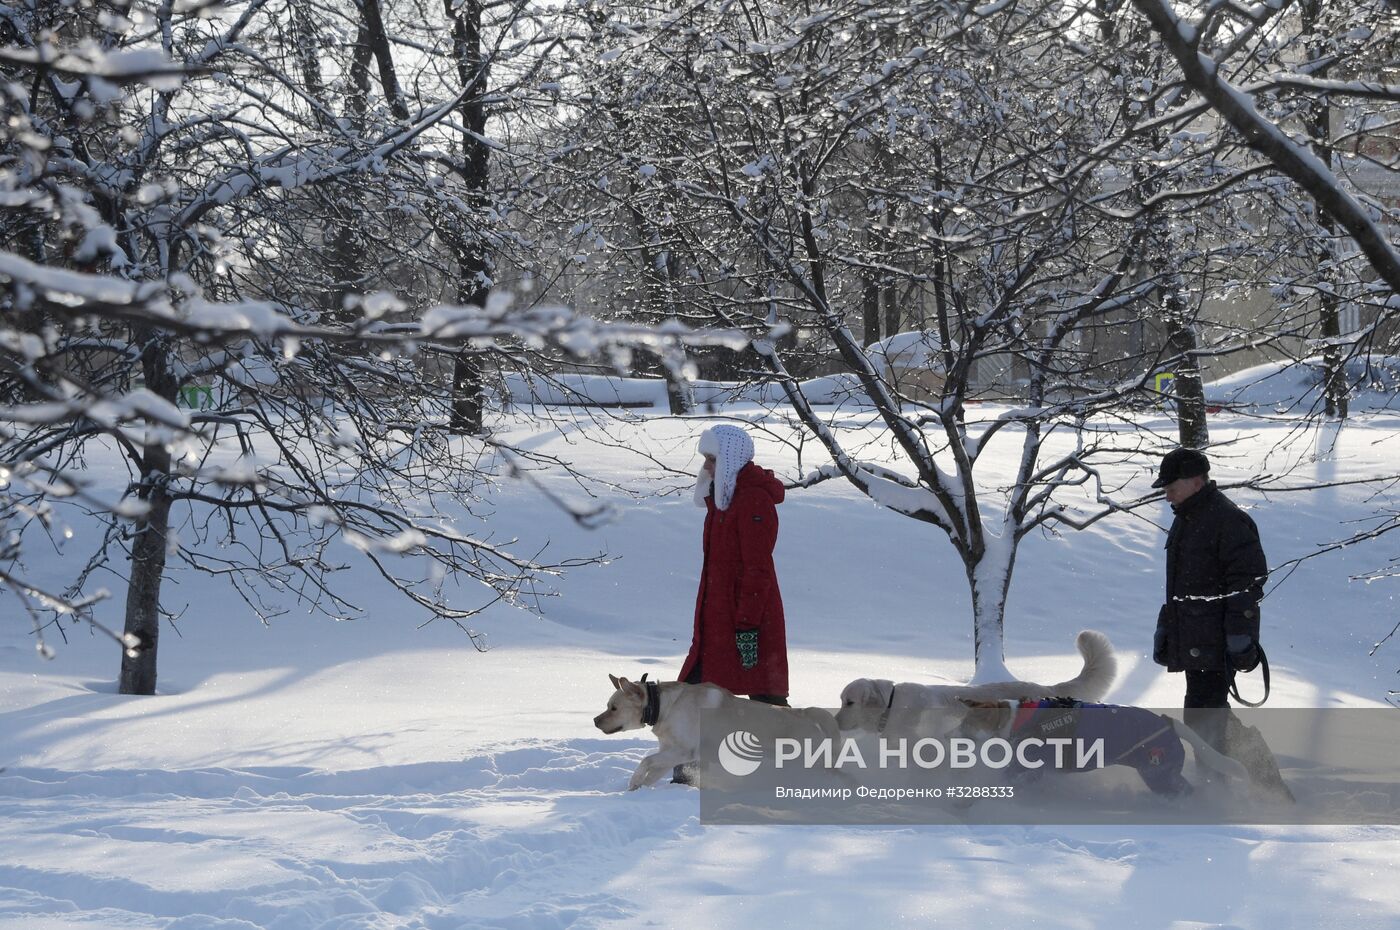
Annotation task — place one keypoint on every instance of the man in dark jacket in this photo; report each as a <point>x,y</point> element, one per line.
<point>1209,625</point>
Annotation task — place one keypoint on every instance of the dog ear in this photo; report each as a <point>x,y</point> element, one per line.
<point>631,687</point>
<point>616,682</point>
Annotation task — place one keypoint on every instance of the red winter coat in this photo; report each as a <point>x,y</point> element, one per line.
<point>739,590</point>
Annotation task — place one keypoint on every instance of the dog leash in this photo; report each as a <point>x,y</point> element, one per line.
<point>1234,688</point>
<point>652,712</point>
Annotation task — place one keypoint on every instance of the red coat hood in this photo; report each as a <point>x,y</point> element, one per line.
<point>751,476</point>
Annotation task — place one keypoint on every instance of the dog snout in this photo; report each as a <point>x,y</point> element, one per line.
<point>852,717</point>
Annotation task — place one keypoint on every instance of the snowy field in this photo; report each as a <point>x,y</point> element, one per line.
<point>370,774</point>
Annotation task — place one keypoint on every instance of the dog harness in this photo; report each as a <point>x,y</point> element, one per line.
<point>1132,736</point>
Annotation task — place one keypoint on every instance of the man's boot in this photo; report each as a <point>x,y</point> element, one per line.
<point>1246,745</point>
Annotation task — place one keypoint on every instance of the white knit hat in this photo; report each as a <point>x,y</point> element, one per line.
<point>732,449</point>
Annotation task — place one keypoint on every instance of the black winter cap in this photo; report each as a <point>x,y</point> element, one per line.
<point>1181,463</point>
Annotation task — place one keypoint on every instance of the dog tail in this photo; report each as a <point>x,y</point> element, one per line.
<point>1208,755</point>
<point>1099,672</point>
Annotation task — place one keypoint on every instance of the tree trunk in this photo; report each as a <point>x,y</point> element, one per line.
<point>889,295</point>
<point>306,48</point>
<point>870,307</point>
<point>347,260</point>
<point>138,669</point>
<point>989,580</point>
<point>474,266</point>
<point>1318,121</point>
<point>1192,430</point>
<point>1176,316</point>
<point>138,673</point>
<point>681,398</point>
<point>1334,379</point>
<point>1161,249</point>
<point>467,400</point>
<point>378,39</point>
<point>889,299</point>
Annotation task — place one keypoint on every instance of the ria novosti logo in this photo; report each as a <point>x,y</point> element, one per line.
<point>741,753</point>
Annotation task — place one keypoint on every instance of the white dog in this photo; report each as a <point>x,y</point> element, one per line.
<point>674,711</point>
<point>877,704</point>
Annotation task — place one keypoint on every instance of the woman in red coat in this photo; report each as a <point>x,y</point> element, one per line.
<point>739,643</point>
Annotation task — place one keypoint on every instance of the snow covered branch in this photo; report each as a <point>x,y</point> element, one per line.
<point>1294,159</point>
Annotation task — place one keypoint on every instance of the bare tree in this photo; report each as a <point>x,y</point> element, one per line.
<point>259,432</point>
<point>1054,211</point>
<point>1008,261</point>
<point>1228,38</point>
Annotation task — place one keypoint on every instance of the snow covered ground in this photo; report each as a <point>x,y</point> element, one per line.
<point>369,774</point>
<point>1373,383</point>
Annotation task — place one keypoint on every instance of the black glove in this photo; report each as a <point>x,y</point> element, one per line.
<point>747,641</point>
<point>1242,652</point>
<point>1159,646</point>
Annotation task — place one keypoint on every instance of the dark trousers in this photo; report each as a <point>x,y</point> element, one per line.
<point>1207,689</point>
<point>1207,706</point>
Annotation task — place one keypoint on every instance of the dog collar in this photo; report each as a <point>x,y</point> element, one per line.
<point>652,712</point>
<point>885,717</point>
